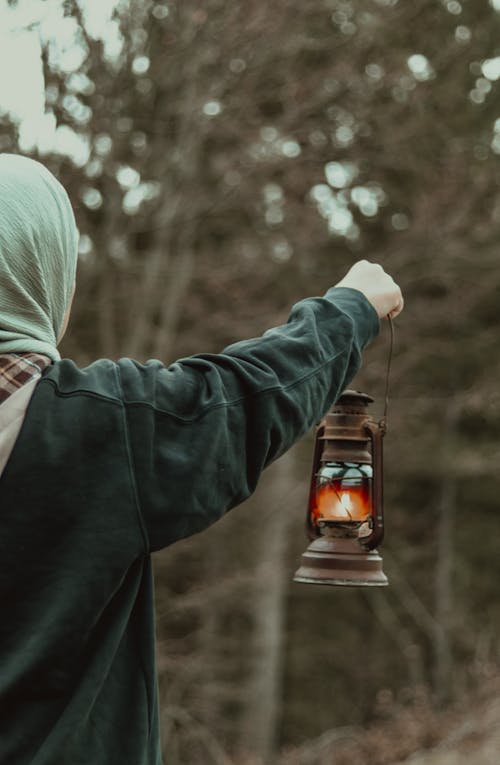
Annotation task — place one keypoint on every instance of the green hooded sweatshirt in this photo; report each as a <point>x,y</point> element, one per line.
<point>113,462</point>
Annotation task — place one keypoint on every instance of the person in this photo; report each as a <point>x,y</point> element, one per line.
<point>101,466</point>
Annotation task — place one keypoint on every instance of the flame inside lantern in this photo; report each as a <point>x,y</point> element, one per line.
<point>341,500</point>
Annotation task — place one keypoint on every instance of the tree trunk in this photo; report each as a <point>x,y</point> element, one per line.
<point>263,691</point>
<point>443,660</point>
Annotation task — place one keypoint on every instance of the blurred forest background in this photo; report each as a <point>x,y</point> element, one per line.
<point>233,158</point>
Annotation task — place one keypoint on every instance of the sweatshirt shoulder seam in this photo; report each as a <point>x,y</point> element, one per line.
<point>80,392</point>
<point>131,470</point>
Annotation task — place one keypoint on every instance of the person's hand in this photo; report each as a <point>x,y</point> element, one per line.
<point>377,286</point>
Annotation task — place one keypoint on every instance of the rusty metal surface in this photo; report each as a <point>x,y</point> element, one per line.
<point>349,434</point>
<point>344,436</point>
<point>377,432</point>
<point>340,562</point>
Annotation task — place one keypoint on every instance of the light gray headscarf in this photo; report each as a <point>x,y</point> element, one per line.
<point>38,254</point>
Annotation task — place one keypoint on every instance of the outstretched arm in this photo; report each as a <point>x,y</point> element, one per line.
<point>202,430</point>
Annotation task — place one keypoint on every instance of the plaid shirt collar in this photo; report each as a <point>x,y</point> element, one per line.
<point>17,369</point>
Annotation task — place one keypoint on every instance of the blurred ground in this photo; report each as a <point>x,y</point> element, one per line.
<point>473,740</point>
<point>467,734</point>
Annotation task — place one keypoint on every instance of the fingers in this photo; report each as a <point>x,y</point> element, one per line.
<point>378,287</point>
<point>397,310</point>
<point>398,302</point>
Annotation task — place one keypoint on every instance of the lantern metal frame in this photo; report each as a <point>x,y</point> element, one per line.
<point>338,553</point>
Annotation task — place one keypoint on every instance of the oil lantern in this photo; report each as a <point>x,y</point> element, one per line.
<point>345,521</point>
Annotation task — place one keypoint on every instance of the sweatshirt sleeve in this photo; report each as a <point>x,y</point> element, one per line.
<point>202,430</point>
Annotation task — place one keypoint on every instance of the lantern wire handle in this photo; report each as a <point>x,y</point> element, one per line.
<point>383,421</point>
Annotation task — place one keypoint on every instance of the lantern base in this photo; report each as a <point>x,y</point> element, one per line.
<point>340,561</point>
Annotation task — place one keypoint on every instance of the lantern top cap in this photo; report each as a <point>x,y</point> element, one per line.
<point>354,398</point>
